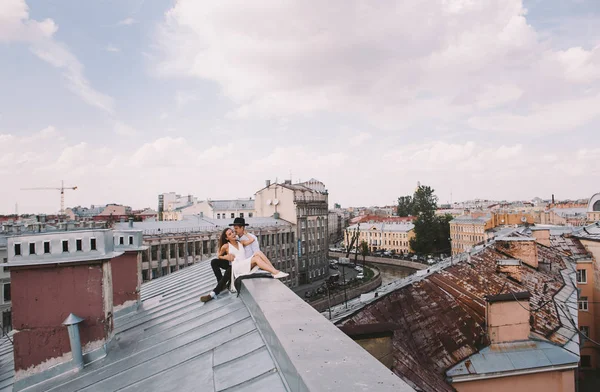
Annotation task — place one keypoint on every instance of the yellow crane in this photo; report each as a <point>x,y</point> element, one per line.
<point>62,193</point>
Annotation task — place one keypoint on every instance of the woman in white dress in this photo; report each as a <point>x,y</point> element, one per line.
<point>241,265</point>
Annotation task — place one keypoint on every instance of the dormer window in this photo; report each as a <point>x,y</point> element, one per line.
<point>65,246</point>
<point>17,249</point>
<point>121,240</point>
<point>46,247</point>
<point>130,240</point>
<point>79,245</point>
<point>93,244</point>
<point>32,248</point>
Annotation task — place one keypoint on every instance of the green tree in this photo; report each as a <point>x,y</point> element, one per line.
<point>364,251</point>
<point>431,232</point>
<point>405,206</point>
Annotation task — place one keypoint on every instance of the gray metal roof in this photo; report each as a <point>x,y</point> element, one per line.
<point>175,342</point>
<point>469,220</point>
<point>385,227</point>
<point>7,364</point>
<point>513,356</point>
<point>232,205</point>
<point>590,232</point>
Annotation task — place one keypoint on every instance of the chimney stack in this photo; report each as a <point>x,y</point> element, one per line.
<point>268,183</point>
<point>553,199</point>
<point>507,317</point>
<point>522,248</point>
<point>127,271</point>
<point>69,273</point>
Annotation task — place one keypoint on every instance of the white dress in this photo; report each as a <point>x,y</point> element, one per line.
<point>240,265</point>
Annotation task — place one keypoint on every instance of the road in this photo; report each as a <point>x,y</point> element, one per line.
<point>300,290</point>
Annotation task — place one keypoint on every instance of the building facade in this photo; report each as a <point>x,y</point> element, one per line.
<point>467,231</point>
<point>214,209</point>
<point>304,205</point>
<point>174,245</point>
<point>392,237</point>
<point>593,208</point>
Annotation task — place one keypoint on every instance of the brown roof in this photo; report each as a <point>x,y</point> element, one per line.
<point>441,319</point>
<point>570,245</point>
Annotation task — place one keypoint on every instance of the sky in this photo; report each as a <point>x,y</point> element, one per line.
<point>126,99</point>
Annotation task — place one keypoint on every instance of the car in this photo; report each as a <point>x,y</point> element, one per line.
<point>358,268</point>
<point>333,266</point>
<point>360,276</point>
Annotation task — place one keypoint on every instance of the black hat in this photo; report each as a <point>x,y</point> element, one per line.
<point>239,222</point>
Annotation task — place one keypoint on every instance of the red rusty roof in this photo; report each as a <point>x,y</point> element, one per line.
<point>441,319</point>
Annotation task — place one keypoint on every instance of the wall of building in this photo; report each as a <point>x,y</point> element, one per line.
<point>589,308</point>
<point>508,321</point>
<point>557,381</point>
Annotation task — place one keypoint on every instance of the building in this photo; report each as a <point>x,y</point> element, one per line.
<point>166,339</point>
<point>174,245</point>
<point>304,205</point>
<point>337,222</point>
<point>563,216</point>
<point>593,208</point>
<point>392,237</point>
<point>215,209</point>
<point>467,231</point>
<point>5,298</point>
<point>497,319</point>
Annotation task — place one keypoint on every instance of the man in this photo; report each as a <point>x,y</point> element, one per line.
<point>224,261</point>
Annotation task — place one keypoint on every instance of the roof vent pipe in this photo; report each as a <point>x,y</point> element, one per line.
<point>130,223</point>
<point>71,323</point>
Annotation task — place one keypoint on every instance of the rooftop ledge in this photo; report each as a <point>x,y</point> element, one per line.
<point>312,353</point>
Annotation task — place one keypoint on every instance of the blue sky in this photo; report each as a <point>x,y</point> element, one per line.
<point>128,99</point>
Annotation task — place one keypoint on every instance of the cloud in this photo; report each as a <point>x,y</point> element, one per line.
<point>124,130</point>
<point>380,61</point>
<point>360,138</point>
<point>127,22</point>
<point>182,98</point>
<point>112,48</point>
<point>16,26</point>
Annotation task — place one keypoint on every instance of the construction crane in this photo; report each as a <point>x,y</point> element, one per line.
<point>62,193</point>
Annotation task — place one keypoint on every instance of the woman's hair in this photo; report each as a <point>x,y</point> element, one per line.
<point>223,238</point>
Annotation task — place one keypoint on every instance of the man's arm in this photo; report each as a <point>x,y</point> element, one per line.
<point>249,239</point>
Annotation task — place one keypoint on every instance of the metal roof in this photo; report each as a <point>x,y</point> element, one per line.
<point>441,314</point>
<point>590,232</point>
<point>385,227</point>
<point>513,356</point>
<point>175,342</point>
<point>232,205</point>
<point>196,224</point>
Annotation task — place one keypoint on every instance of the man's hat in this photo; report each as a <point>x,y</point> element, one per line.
<point>239,222</point>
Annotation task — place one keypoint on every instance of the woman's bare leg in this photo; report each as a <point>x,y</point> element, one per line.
<point>257,260</point>
<point>264,258</point>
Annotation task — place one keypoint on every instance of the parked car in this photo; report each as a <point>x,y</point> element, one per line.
<point>358,268</point>
<point>360,276</point>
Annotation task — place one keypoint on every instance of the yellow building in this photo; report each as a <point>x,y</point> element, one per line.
<point>467,231</point>
<point>393,237</point>
<point>593,209</point>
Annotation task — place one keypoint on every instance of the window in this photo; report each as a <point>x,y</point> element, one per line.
<point>92,244</point>
<point>585,330</point>
<point>17,249</point>
<point>586,361</point>
<point>32,248</point>
<point>121,240</point>
<point>6,292</point>
<point>250,215</point>
<point>65,245</point>
<point>46,246</point>
<point>581,276</point>
<point>130,240</point>
<point>232,215</point>
<point>79,245</point>
<point>241,214</point>
<point>218,216</point>
<point>583,303</point>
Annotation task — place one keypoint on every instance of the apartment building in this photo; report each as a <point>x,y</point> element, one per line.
<point>304,205</point>
<point>393,237</point>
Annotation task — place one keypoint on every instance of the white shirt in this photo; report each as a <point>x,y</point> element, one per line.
<point>253,247</point>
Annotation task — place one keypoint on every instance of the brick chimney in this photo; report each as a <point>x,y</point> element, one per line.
<point>53,276</point>
<point>522,248</point>
<point>542,236</point>
<point>507,317</point>
<point>127,270</point>
<point>511,267</point>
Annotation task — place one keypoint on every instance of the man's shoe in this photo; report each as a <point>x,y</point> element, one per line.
<point>206,298</point>
<point>281,275</point>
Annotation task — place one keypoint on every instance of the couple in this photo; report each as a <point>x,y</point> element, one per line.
<point>239,254</point>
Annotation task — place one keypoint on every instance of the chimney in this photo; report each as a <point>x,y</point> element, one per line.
<point>553,199</point>
<point>542,236</point>
<point>127,272</point>
<point>268,183</point>
<point>507,317</point>
<point>288,182</point>
<point>510,267</point>
<point>522,248</point>
<point>131,223</point>
<point>47,287</point>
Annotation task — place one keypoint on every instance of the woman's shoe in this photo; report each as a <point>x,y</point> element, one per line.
<point>206,298</point>
<point>281,275</point>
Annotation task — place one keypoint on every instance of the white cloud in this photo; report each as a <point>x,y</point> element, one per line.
<point>360,138</point>
<point>124,130</point>
<point>112,48</point>
<point>127,22</point>
<point>182,98</point>
<point>16,26</point>
<point>388,66</point>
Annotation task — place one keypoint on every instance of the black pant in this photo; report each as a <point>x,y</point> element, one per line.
<point>222,280</point>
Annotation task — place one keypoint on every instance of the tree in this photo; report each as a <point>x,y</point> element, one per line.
<point>364,251</point>
<point>432,232</point>
<point>405,206</point>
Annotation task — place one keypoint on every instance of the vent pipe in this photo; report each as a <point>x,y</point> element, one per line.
<point>268,183</point>
<point>130,223</point>
<point>73,328</point>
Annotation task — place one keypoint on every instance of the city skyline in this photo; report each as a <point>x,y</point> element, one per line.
<point>135,98</point>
